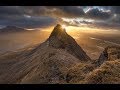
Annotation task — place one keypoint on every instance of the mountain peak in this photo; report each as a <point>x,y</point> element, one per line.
<point>58,31</point>
<point>59,39</point>
<point>58,26</point>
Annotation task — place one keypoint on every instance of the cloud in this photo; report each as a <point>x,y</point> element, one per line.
<point>34,22</point>
<point>115,9</point>
<point>67,11</point>
<point>99,14</point>
<point>33,16</point>
<point>9,10</point>
<point>16,15</point>
<point>56,11</point>
<point>37,16</point>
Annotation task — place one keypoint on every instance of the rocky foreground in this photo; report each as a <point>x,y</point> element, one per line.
<point>60,60</point>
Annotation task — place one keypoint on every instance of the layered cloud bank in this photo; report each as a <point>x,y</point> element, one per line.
<point>41,16</point>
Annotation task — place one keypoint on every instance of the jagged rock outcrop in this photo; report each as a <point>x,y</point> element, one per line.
<point>108,68</point>
<point>110,53</point>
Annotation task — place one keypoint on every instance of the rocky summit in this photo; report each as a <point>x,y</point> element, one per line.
<point>59,39</point>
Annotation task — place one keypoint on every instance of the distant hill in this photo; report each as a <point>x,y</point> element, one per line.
<point>9,29</point>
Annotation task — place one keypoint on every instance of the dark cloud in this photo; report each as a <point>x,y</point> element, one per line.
<point>29,23</point>
<point>10,10</point>
<point>67,11</point>
<point>43,15</point>
<point>57,11</point>
<point>36,16</point>
<point>115,9</point>
<point>20,16</point>
<point>34,10</point>
<point>35,22</point>
<point>99,14</point>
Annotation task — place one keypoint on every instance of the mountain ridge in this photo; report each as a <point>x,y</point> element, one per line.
<point>10,29</point>
<point>59,60</point>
